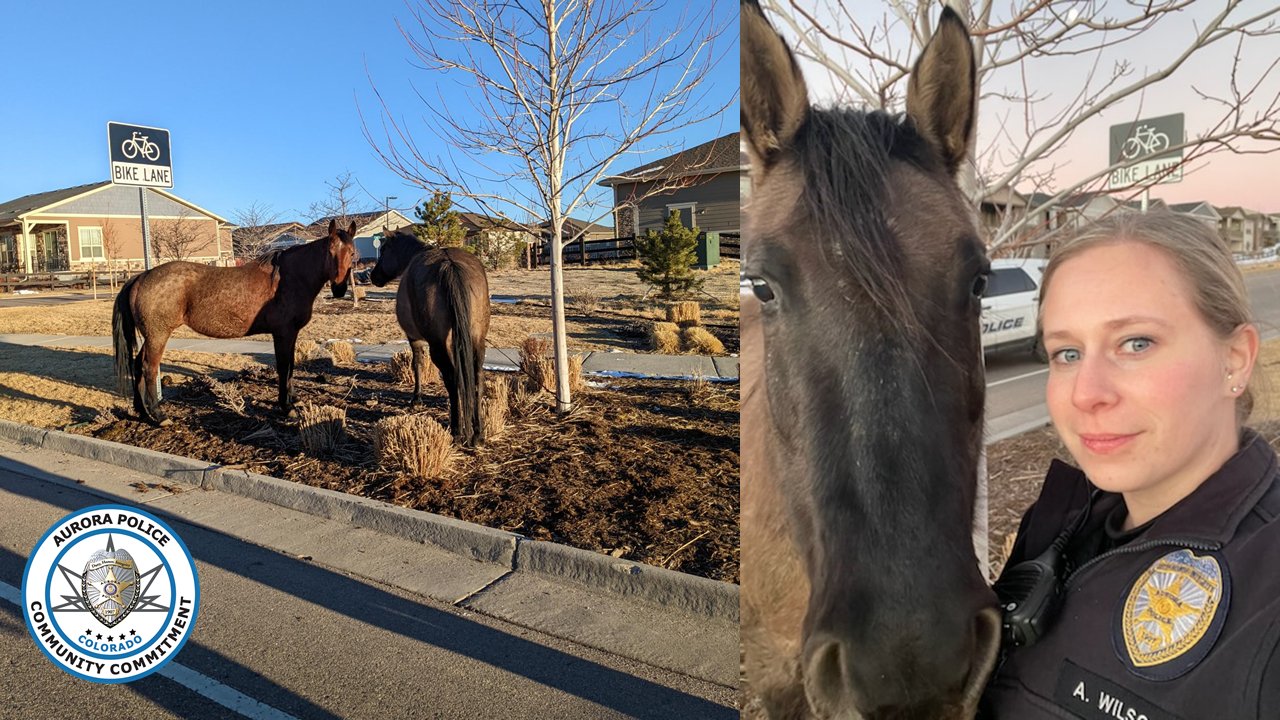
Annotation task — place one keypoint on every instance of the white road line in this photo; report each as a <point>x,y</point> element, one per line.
<point>225,695</point>
<point>1018,377</point>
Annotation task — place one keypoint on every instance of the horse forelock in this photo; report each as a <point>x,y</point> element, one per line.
<point>847,156</point>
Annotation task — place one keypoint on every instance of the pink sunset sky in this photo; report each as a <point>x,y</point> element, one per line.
<point>1223,178</point>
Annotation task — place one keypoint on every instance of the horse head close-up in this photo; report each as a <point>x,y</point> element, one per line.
<point>862,411</point>
<point>342,255</point>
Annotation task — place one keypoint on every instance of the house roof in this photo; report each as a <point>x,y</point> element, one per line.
<point>574,226</point>
<point>362,220</point>
<point>270,232</point>
<point>29,204</point>
<point>716,156</point>
<point>18,207</point>
<point>476,221</point>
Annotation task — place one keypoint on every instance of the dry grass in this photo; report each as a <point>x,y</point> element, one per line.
<point>414,444</point>
<point>699,341</point>
<point>699,390</point>
<point>521,401</point>
<point>493,407</point>
<point>57,387</point>
<point>343,353</point>
<point>322,427</point>
<point>685,313</point>
<point>402,369</point>
<point>584,302</point>
<point>577,383</point>
<point>228,396</point>
<point>538,368</point>
<point>664,337</point>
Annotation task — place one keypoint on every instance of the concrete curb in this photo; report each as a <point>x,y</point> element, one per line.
<point>517,553</point>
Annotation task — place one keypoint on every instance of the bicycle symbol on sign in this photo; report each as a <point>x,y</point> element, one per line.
<point>1146,141</point>
<point>140,145</point>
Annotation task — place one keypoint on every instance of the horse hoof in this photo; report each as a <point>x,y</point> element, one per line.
<point>165,422</point>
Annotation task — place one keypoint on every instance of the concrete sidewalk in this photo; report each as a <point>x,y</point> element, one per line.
<point>608,364</point>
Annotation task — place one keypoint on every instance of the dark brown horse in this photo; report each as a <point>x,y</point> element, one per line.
<point>863,395</point>
<point>443,307</point>
<point>272,294</point>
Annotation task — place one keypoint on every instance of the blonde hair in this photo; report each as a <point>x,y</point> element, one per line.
<point>1197,251</point>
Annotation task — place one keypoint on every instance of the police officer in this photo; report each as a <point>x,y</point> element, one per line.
<point>1166,541</point>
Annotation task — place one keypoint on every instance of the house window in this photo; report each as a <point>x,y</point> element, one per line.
<point>687,211</point>
<point>91,244</point>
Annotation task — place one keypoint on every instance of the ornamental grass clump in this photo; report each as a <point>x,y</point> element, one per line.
<point>664,337</point>
<point>699,341</point>
<point>414,444</point>
<point>685,313</point>
<point>321,428</point>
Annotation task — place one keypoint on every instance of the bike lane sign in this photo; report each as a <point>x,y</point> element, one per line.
<point>1141,148</point>
<point>139,155</point>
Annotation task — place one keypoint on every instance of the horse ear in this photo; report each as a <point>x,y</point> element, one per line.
<point>941,91</point>
<point>775,102</point>
<point>333,229</point>
<point>352,231</point>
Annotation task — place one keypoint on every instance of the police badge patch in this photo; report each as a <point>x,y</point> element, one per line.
<point>1173,615</point>
<point>109,584</point>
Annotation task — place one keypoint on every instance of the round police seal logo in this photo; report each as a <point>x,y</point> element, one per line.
<point>110,594</point>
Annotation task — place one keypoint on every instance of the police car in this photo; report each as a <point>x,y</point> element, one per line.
<point>1010,304</point>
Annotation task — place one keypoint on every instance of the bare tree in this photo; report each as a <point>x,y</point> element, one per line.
<point>177,239</point>
<point>561,91</point>
<point>341,202</point>
<point>254,233</point>
<point>868,58</point>
<point>110,247</point>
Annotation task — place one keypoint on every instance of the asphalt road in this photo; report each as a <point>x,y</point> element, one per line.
<point>282,635</point>
<point>1016,382</point>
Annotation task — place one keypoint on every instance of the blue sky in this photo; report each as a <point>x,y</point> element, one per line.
<point>262,99</point>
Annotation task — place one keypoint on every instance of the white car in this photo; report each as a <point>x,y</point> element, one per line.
<point>1010,305</point>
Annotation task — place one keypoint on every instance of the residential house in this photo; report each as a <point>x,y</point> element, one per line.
<point>703,183</point>
<point>996,208</point>
<point>267,238</point>
<point>1271,230</point>
<point>574,227</point>
<point>498,237</point>
<point>369,227</point>
<point>1241,229</point>
<point>1200,210</point>
<point>78,227</point>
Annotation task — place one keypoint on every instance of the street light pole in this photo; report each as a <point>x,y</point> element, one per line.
<point>386,204</point>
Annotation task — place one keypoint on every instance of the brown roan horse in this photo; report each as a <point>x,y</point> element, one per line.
<point>273,294</point>
<point>443,307</point>
<point>863,395</point>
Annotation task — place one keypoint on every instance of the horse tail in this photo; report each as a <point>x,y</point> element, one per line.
<point>464,350</point>
<point>125,338</point>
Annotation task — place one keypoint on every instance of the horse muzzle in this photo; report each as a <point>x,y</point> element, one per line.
<point>936,683</point>
<point>378,278</point>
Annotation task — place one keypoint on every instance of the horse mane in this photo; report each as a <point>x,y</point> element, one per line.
<point>846,154</point>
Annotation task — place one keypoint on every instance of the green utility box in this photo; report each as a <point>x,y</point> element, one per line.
<point>708,250</point>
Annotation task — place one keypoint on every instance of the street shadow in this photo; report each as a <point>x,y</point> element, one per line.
<point>605,686</point>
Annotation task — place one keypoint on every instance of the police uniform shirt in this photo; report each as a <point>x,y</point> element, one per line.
<point>1178,619</point>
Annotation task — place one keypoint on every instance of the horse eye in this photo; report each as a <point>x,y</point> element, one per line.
<point>979,285</point>
<point>758,286</point>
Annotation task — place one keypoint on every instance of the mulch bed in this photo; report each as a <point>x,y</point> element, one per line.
<point>642,470</point>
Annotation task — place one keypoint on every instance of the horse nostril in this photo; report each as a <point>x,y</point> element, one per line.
<point>826,681</point>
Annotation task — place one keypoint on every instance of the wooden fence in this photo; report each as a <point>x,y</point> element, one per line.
<point>621,250</point>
